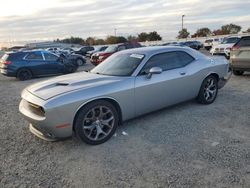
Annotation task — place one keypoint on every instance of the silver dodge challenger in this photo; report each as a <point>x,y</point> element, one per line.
<point>127,84</point>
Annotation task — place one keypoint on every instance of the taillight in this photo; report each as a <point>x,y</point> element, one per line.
<point>235,47</point>
<point>7,62</point>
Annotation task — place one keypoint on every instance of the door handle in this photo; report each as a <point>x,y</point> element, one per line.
<point>182,73</point>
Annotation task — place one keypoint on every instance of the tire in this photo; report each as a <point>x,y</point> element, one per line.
<point>24,74</point>
<point>93,127</point>
<point>71,69</point>
<point>238,73</point>
<point>80,62</point>
<point>208,91</point>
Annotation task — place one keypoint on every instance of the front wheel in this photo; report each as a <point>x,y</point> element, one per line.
<point>96,122</point>
<point>208,91</point>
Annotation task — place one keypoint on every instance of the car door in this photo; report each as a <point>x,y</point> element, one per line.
<point>169,87</point>
<point>35,62</point>
<point>53,64</point>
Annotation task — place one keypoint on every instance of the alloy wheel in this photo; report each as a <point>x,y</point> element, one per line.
<point>210,89</point>
<point>98,123</point>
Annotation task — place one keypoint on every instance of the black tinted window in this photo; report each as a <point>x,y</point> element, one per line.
<point>244,42</point>
<point>168,61</point>
<point>120,48</point>
<point>50,57</point>
<point>35,56</point>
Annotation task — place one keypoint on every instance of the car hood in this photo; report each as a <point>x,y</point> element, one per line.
<point>68,83</point>
<point>224,45</point>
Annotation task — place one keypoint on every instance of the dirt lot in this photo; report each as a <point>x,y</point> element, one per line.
<point>188,145</point>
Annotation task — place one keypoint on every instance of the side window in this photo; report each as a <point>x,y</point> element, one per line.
<point>50,57</point>
<point>168,61</point>
<point>34,56</point>
<point>120,48</point>
<point>184,58</point>
<point>244,42</point>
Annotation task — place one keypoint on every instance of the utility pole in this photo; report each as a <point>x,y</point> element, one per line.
<point>115,31</point>
<point>182,21</point>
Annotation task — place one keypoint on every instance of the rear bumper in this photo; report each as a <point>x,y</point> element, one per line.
<point>7,72</point>
<point>239,65</point>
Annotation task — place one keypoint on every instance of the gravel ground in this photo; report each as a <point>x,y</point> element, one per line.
<point>188,145</point>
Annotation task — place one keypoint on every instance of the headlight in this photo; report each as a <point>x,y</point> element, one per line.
<point>101,57</point>
<point>38,110</point>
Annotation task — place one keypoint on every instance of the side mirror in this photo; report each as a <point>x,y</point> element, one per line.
<point>154,70</point>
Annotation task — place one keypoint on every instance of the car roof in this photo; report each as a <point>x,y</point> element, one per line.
<point>153,50</point>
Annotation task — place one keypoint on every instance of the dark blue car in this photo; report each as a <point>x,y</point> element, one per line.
<point>28,64</point>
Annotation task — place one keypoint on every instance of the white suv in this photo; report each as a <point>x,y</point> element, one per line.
<point>225,47</point>
<point>209,43</point>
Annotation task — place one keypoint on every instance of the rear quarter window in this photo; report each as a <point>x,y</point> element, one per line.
<point>244,42</point>
<point>13,56</point>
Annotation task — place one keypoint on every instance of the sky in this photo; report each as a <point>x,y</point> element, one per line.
<point>30,20</point>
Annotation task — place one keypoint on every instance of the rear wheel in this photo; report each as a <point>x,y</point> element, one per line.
<point>24,74</point>
<point>238,73</point>
<point>96,122</point>
<point>208,91</point>
<point>79,62</point>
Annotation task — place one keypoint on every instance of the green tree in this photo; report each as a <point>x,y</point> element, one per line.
<point>183,34</point>
<point>132,38</point>
<point>72,40</point>
<point>218,32</point>
<point>230,29</point>
<point>142,37</point>
<point>115,39</point>
<point>99,42</point>
<point>90,41</point>
<point>202,32</point>
<point>153,36</point>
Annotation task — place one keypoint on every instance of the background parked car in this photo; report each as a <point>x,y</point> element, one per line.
<point>97,49</point>
<point>225,47</point>
<point>99,57</point>
<point>240,56</point>
<point>79,59</point>
<point>192,44</point>
<point>208,44</point>
<point>84,50</point>
<point>25,65</point>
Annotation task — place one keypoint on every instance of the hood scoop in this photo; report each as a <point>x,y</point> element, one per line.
<point>62,84</point>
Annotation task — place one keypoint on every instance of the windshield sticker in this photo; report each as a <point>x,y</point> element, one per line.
<point>139,56</point>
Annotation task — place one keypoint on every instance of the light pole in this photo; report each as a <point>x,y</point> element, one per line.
<point>115,31</point>
<point>182,21</point>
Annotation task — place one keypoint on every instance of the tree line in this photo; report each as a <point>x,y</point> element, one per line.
<point>142,37</point>
<point>205,31</point>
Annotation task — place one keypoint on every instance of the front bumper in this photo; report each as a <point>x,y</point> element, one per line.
<point>52,125</point>
<point>95,61</point>
<point>42,134</point>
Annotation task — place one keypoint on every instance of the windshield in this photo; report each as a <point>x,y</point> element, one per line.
<point>112,48</point>
<point>230,40</point>
<point>210,40</point>
<point>119,65</point>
